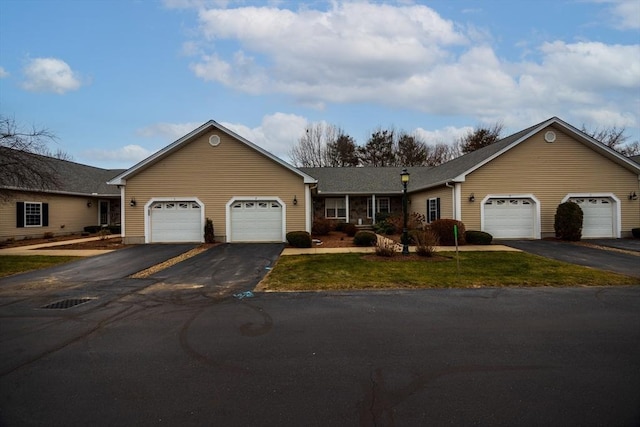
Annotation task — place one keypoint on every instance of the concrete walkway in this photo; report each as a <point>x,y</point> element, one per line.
<point>39,249</point>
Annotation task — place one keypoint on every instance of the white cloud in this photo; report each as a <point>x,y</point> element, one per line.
<point>447,135</point>
<point>129,154</point>
<point>50,75</point>
<point>626,14</point>
<point>167,131</point>
<point>277,133</point>
<point>3,73</point>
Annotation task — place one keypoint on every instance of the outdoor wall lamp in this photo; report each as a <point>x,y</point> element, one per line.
<point>132,203</point>
<point>295,200</point>
<point>88,203</point>
<point>633,196</point>
<point>472,198</point>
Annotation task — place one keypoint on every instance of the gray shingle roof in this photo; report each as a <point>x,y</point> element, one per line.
<point>74,178</point>
<point>360,180</point>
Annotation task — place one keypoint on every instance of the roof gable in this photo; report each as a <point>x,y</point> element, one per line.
<point>191,136</point>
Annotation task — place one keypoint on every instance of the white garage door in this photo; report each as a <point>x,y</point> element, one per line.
<point>510,218</point>
<point>256,221</point>
<point>597,216</point>
<point>176,222</point>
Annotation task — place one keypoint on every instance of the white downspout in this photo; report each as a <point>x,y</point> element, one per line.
<point>308,204</point>
<point>453,199</point>
<point>346,204</point>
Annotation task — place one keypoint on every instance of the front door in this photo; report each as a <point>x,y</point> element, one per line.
<point>104,212</point>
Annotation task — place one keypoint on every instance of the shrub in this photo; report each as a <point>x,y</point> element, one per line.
<point>568,221</point>
<point>339,226</point>
<point>104,233</point>
<point>635,232</point>
<point>425,241</point>
<point>321,227</point>
<point>384,227</point>
<point>474,237</point>
<point>48,235</point>
<point>350,229</point>
<point>443,228</point>
<point>386,248</point>
<point>92,229</point>
<point>299,239</point>
<point>365,238</point>
<point>209,235</point>
<point>415,221</point>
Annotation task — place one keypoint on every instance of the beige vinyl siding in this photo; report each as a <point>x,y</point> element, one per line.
<point>550,171</point>
<point>419,201</point>
<point>67,215</point>
<point>214,175</point>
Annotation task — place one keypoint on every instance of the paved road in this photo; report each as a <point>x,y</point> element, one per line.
<point>175,355</point>
<point>623,263</point>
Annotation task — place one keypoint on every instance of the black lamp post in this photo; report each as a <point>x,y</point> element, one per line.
<point>404,176</point>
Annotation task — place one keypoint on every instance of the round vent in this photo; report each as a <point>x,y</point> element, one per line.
<point>550,136</point>
<point>214,140</point>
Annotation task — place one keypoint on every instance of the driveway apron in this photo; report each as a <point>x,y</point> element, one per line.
<point>601,259</point>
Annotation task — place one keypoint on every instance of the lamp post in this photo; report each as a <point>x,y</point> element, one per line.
<point>404,176</point>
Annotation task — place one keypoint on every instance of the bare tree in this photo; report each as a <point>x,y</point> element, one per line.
<point>311,149</point>
<point>440,153</point>
<point>481,136</point>
<point>22,164</point>
<point>615,138</point>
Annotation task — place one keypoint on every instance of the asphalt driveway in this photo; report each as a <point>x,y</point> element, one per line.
<point>615,261</point>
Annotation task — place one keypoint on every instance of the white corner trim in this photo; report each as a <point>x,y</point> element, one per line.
<point>234,199</point>
<point>123,228</point>
<point>617,227</point>
<point>457,204</point>
<point>147,212</point>
<point>308,207</point>
<point>537,234</point>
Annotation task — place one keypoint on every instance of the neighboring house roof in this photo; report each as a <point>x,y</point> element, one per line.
<point>71,178</point>
<point>361,180</point>
<point>368,180</point>
<point>211,124</point>
<point>457,169</point>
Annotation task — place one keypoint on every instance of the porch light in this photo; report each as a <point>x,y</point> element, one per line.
<point>295,200</point>
<point>472,198</point>
<point>633,196</point>
<point>88,203</point>
<point>132,203</point>
<point>404,177</point>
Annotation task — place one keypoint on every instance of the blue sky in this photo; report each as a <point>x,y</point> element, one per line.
<point>118,80</point>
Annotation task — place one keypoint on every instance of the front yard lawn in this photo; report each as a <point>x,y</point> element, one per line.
<point>12,264</point>
<point>358,271</point>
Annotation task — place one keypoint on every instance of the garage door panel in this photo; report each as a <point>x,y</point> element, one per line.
<point>598,214</point>
<point>510,218</point>
<point>256,221</point>
<point>176,222</point>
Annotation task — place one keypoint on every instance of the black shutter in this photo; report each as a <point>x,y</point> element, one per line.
<point>45,214</point>
<point>20,214</point>
<point>438,208</point>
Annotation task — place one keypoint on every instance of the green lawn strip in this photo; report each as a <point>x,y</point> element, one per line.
<point>12,264</point>
<point>354,271</point>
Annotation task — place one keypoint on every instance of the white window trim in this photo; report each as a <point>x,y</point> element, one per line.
<point>25,215</point>
<point>536,220</point>
<point>235,199</point>
<point>336,208</point>
<point>617,226</point>
<point>376,200</point>
<point>429,209</point>
<point>147,213</point>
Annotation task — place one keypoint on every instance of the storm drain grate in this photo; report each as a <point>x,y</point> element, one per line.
<point>66,303</point>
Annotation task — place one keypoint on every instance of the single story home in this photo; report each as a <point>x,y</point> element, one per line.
<point>77,196</point>
<point>510,189</point>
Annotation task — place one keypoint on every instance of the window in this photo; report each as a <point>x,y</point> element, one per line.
<point>433,209</point>
<point>32,214</point>
<point>335,208</point>
<point>383,205</point>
